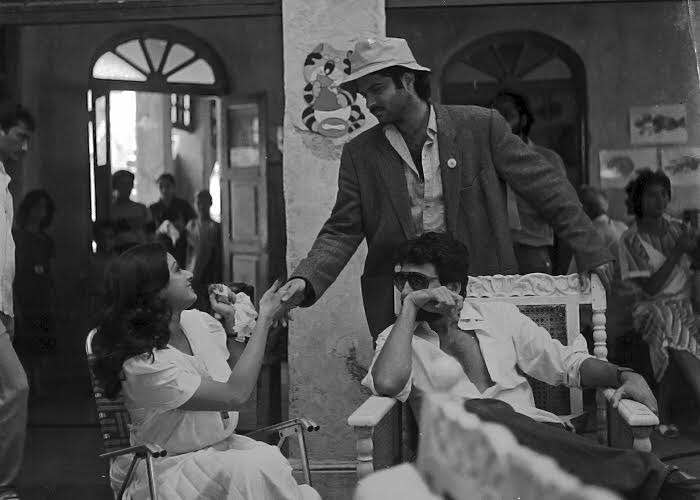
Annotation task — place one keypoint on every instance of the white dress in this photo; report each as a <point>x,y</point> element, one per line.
<point>206,458</point>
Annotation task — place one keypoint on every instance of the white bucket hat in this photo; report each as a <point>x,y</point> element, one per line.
<point>374,54</point>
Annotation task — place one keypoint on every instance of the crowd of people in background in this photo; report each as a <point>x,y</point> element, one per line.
<point>190,235</point>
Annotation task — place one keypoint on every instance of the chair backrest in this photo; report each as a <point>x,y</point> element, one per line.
<point>111,413</point>
<point>461,457</point>
<point>553,303</point>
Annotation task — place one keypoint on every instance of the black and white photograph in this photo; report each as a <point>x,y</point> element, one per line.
<point>349,249</point>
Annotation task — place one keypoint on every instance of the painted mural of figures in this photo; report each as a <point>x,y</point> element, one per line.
<point>331,112</point>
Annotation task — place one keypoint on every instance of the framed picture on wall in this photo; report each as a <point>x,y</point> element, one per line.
<point>617,166</point>
<point>682,165</point>
<point>663,124</point>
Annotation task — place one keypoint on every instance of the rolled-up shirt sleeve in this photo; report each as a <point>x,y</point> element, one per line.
<point>545,358</point>
<point>368,381</point>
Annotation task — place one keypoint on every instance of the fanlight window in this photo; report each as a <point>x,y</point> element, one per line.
<point>503,63</point>
<point>154,59</point>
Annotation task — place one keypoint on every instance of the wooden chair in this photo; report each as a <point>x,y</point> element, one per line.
<point>383,428</point>
<point>462,458</point>
<point>115,426</point>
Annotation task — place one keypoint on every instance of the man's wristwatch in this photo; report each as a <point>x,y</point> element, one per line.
<point>620,371</point>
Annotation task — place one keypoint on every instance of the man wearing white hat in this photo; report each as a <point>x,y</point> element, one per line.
<point>428,167</point>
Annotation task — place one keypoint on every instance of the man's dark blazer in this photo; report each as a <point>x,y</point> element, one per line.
<point>373,203</point>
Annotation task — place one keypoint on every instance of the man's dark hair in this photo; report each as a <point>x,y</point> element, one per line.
<point>636,187</point>
<point>522,105</point>
<point>119,174</point>
<point>421,81</point>
<point>166,177</point>
<point>204,194</point>
<point>11,115</point>
<point>449,256</point>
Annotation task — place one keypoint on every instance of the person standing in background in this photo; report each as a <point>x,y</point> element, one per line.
<point>33,284</point>
<point>16,130</point>
<point>203,249</point>
<point>129,217</point>
<point>171,215</point>
<point>533,237</point>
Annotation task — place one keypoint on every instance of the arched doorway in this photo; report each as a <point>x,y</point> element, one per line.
<point>159,88</point>
<point>185,75</point>
<point>538,66</point>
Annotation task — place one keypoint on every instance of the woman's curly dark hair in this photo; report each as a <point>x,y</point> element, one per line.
<point>136,319</point>
<point>30,200</point>
<point>636,187</point>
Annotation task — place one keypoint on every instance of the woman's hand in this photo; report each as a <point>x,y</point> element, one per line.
<point>271,306</point>
<point>223,305</point>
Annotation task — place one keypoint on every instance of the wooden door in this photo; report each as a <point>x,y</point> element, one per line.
<point>243,161</point>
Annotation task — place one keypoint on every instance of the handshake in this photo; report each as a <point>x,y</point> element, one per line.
<point>275,304</point>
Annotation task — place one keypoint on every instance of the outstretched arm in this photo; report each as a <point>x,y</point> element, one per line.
<point>336,242</point>
<point>546,188</point>
<point>235,392</point>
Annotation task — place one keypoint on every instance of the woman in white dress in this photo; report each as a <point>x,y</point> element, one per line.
<point>181,387</point>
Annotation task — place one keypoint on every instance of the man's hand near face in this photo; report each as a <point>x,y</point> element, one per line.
<point>437,300</point>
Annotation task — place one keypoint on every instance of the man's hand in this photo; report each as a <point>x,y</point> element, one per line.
<point>293,292</point>
<point>605,273</point>
<point>634,387</point>
<point>440,299</point>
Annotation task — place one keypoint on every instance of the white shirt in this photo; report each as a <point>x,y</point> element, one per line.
<point>7,244</point>
<point>427,203</point>
<point>510,342</point>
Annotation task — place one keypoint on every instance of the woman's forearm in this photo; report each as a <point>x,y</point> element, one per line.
<point>244,374</point>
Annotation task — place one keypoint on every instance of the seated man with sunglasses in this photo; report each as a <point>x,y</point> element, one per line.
<point>442,342</point>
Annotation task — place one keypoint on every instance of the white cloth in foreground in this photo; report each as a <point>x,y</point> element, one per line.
<point>511,344</point>
<point>206,459</point>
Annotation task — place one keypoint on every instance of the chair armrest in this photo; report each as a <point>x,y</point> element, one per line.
<point>633,413</point>
<point>142,450</point>
<point>364,420</point>
<point>630,419</point>
<point>302,423</point>
<point>371,412</point>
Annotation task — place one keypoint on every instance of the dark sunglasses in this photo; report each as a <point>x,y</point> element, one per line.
<point>416,281</point>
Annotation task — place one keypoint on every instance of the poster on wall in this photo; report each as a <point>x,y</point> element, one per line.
<point>658,124</point>
<point>682,165</point>
<point>617,166</point>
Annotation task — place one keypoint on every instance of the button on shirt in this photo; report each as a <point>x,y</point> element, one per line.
<point>7,244</point>
<point>427,204</point>
<point>511,344</point>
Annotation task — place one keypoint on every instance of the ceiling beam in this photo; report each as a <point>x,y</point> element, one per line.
<point>29,12</point>
<point>408,4</point>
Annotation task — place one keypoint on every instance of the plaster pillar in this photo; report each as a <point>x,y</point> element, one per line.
<point>329,343</point>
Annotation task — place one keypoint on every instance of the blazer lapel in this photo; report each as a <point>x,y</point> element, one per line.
<point>451,166</point>
<point>391,168</point>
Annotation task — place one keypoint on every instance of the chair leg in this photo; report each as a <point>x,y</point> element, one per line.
<point>151,482</point>
<point>127,479</point>
<point>304,456</point>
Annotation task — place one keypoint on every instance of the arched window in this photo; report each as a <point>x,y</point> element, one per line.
<point>545,70</point>
<point>159,59</point>
<point>167,66</point>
